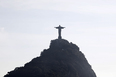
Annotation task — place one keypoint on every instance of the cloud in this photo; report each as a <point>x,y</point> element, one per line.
<point>83,6</point>
<point>2,29</point>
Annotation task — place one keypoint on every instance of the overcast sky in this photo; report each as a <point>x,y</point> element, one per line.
<point>27,27</point>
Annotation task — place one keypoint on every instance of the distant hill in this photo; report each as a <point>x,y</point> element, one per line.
<point>62,59</point>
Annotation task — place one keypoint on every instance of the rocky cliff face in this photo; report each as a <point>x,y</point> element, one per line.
<point>62,59</point>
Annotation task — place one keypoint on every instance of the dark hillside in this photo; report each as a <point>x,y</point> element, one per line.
<point>62,59</point>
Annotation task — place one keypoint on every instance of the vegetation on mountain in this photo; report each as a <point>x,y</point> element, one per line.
<point>62,59</point>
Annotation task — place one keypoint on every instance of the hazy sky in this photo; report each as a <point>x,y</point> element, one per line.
<point>27,27</point>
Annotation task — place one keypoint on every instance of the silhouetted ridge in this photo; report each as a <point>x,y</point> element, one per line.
<point>62,59</point>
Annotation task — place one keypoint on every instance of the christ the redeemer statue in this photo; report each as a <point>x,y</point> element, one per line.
<point>59,31</point>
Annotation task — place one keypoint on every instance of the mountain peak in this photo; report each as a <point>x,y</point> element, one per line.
<point>61,59</point>
<point>61,44</point>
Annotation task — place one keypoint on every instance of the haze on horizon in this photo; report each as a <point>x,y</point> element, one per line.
<point>27,26</point>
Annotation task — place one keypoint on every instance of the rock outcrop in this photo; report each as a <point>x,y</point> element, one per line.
<point>62,59</point>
